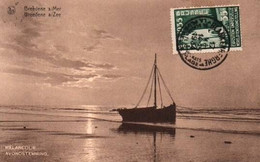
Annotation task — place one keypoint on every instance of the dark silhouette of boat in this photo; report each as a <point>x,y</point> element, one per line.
<point>151,113</point>
<point>145,129</point>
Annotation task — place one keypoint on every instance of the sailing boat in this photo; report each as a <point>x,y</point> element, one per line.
<point>152,113</point>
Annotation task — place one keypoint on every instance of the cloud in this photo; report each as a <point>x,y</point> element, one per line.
<point>61,79</point>
<point>61,48</point>
<point>29,31</point>
<point>102,34</point>
<point>111,76</point>
<point>85,82</point>
<point>23,72</point>
<point>80,83</point>
<point>31,41</point>
<point>25,45</point>
<point>99,36</point>
<point>57,60</point>
<point>53,78</point>
<point>93,47</point>
<point>45,48</point>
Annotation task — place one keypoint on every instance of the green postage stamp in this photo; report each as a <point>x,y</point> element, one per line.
<point>206,29</point>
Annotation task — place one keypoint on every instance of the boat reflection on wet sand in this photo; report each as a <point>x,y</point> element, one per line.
<point>148,129</point>
<point>143,128</point>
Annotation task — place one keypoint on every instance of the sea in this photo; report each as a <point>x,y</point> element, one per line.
<point>96,133</point>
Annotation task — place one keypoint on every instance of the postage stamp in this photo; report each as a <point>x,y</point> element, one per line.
<point>214,30</point>
<point>229,16</point>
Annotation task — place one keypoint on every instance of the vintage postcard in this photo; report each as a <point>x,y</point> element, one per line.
<point>129,81</point>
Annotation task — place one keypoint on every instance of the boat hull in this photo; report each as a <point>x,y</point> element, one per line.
<point>149,114</point>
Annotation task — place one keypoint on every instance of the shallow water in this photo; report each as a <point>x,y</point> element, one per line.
<point>85,133</point>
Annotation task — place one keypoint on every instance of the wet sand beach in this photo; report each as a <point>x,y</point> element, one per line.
<point>48,137</point>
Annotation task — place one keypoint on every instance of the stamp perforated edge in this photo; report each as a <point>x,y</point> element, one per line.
<point>172,22</point>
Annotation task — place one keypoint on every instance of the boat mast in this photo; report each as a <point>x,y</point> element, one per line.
<point>155,68</point>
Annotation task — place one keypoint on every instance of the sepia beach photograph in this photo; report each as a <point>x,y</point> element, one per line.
<point>129,81</point>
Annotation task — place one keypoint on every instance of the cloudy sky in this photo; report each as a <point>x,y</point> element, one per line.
<point>101,52</point>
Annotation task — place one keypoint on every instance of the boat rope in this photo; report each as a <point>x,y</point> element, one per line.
<point>188,117</point>
<point>150,93</point>
<point>166,88</point>
<point>160,90</point>
<point>210,107</point>
<point>145,87</point>
<point>181,113</point>
<point>184,107</point>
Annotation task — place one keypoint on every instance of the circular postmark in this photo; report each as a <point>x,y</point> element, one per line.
<point>11,10</point>
<point>203,43</point>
